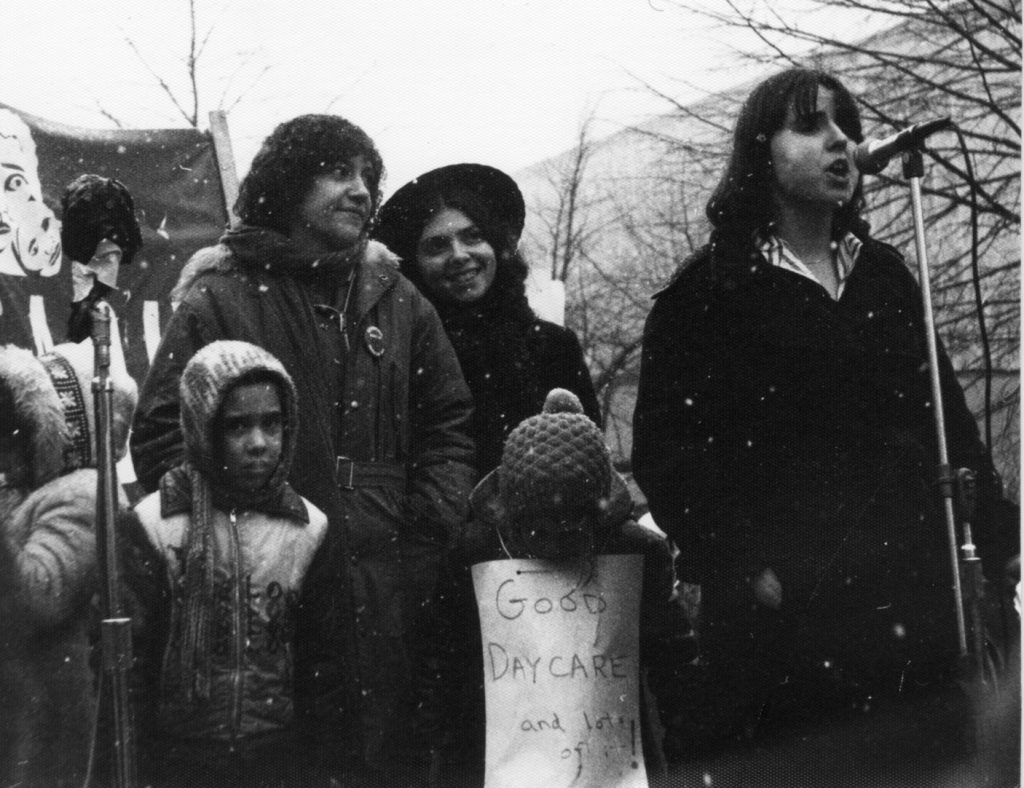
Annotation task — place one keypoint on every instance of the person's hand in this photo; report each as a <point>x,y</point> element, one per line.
<point>1011,577</point>
<point>1011,572</point>
<point>768,589</point>
<point>688,597</point>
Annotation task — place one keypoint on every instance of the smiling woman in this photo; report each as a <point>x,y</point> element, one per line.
<point>454,259</point>
<point>457,230</point>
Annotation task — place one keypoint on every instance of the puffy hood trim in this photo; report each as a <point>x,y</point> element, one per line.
<point>260,249</point>
<point>207,378</point>
<point>38,409</point>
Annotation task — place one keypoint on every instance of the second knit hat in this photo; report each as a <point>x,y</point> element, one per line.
<point>554,461</point>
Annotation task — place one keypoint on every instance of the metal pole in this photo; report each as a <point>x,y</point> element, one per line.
<point>115,629</point>
<point>913,169</point>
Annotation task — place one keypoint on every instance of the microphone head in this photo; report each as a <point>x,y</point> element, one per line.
<point>871,156</point>
<point>867,159</point>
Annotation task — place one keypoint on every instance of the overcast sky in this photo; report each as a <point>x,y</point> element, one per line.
<point>504,82</point>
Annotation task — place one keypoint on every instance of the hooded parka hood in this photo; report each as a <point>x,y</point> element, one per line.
<point>37,410</point>
<point>207,378</point>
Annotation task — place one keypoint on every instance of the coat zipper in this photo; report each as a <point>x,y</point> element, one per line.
<point>237,631</point>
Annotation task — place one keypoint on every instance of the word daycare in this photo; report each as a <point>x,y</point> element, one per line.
<point>561,666</point>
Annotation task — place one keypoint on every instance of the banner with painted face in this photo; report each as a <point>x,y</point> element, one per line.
<point>173,178</point>
<point>562,672</point>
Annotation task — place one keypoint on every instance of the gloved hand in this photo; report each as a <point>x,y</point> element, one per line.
<point>768,589</point>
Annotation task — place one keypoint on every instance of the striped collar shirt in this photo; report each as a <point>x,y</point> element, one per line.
<point>778,253</point>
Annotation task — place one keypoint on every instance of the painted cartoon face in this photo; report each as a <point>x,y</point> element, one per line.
<point>29,231</point>
<point>454,259</point>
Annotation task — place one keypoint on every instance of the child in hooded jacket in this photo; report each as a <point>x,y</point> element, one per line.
<point>215,564</point>
<point>555,496</point>
<point>48,560</point>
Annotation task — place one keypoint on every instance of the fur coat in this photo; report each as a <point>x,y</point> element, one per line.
<point>48,576</point>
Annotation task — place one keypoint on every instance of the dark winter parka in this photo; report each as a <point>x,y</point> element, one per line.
<point>48,569</point>
<point>777,427</point>
<point>383,451</point>
<point>510,367</point>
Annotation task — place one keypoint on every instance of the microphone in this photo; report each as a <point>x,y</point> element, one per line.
<point>871,156</point>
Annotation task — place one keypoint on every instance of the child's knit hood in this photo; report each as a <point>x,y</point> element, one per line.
<point>207,378</point>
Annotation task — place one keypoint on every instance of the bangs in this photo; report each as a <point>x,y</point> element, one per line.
<point>478,210</point>
<point>805,98</point>
<point>805,102</point>
<point>341,157</point>
<point>847,114</point>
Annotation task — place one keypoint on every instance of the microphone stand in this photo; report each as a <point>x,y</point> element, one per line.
<point>948,480</point>
<point>913,171</point>
<point>115,628</point>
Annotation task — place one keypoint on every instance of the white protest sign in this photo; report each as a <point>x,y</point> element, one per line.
<point>561,671</point>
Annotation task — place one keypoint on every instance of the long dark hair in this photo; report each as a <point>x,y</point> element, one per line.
<point>507,294</point>
<point>490,336</point>
<point>741,204</point>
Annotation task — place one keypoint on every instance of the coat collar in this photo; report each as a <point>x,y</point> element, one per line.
<point>728,264</point>
<point>176,498</point>
<point>377,273</point>
<point>258,248</point>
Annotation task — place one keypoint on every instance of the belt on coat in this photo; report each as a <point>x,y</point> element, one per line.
<point>350,474</point>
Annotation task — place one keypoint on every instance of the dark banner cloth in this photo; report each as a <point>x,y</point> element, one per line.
<point>172,176</point>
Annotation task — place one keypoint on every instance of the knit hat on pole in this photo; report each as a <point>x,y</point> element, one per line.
<point>554,461</point>
<point>94,208</point>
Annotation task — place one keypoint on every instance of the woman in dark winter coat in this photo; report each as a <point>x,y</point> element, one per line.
<point>456,230</point>
<point>784,434</point>
<point>383,447</point>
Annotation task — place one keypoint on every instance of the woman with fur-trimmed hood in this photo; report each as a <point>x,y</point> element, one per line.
<point>384,436</point>
<point>48,565</point>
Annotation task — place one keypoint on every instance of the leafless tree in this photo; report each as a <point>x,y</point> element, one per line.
<point>585,229</point>
<point>188,101</point>
<point>931,58</point>
<point>566,230</point>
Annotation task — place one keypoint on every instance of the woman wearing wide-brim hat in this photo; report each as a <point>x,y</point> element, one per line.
<point>456,230</point>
